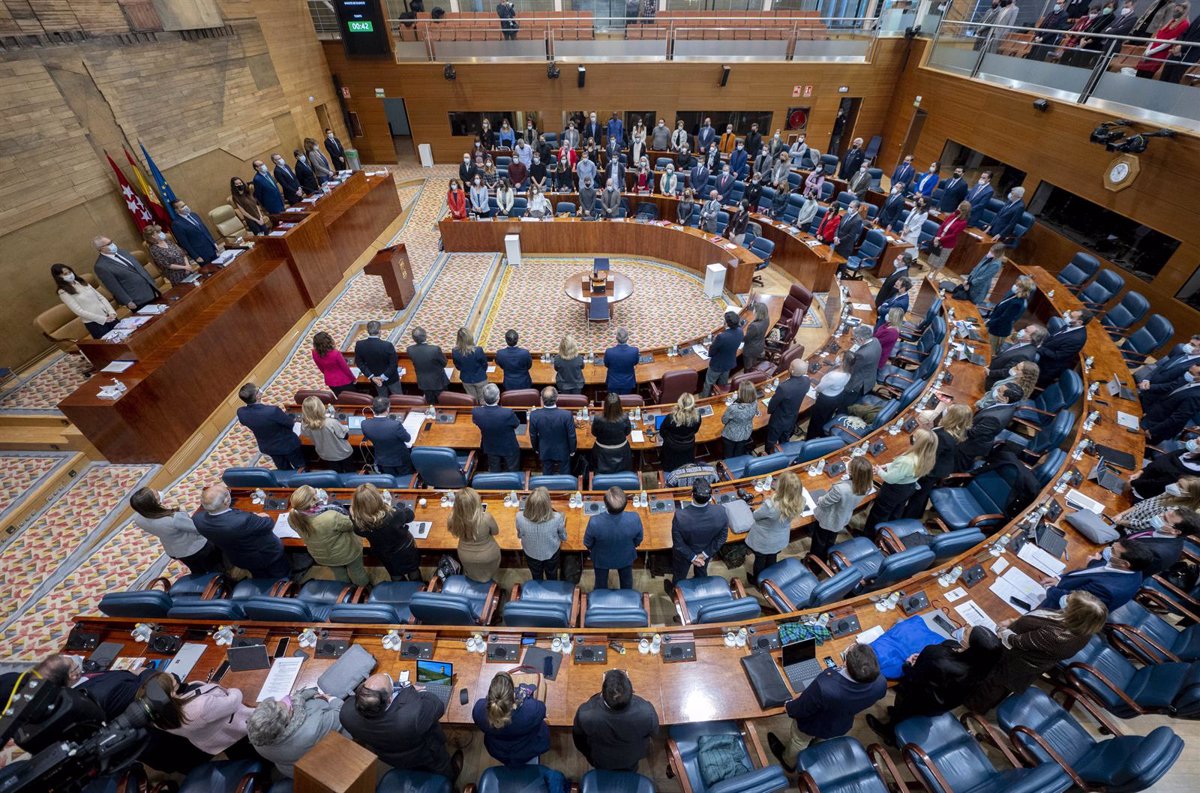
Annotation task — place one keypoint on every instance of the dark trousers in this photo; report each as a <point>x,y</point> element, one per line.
<point>290,461</point>
<point>345,466</point>
<point>388,387</point>
<point>889,505</point>
<point>556,466</point>
<point>340,389</point>
<point>681,567</point>
<point>761,562</point>
<point>919,500</point>
<point>432,396</point>
<point>502,463</point>
<point>98,330</point>
<point>206,560</point>
<point>734,448</point>
<point>822,411</point>
<point>822,541</point>
<point>624,577</point>
<point>543,570</point>
<point>778,433</point>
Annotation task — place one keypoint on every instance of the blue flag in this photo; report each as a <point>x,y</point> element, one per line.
<point>164,189</point>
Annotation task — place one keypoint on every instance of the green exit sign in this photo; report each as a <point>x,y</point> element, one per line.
<point>361,26</point>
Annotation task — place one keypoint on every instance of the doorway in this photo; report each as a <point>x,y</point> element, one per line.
<point>843,125</point>
<point>397,119</point>
<point>912,136</point>
<point>323,120</point>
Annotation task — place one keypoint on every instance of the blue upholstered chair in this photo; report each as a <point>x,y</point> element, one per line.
<point>542,604</point>
<point>830,163</point>
<point>879,570</point>
<point>867,255</point>
<point>1148,339</point>
<point>807,451</point>
<point>208,610</point>
<point>1140,631</point>
<point>368,614</point>
<point>318,479</point>
<point>442,468</point>
<point>1048,437</point>
<point>683,746</point>
<point>509,480</point>
<point>626,480</point>
<point>136,604</point>
<point>713,599</point>
<point>397,781</point>
<point>790,586</point>
<point>249,477</point>
<point>946,757</point>
<point>973,501</point>
<point>221,776</point>
<point>518,779</point>
<point>397,594</point>
<point>553,482</point>
<point>1106,284</point>
<point>1048,468</point>
<point>842,765</point>
<point>1079,270</point>
<point>1112,681</point>
<point>1044,733</point>
<point>949,544</point>
<point>749,465</point>
<point>312,603</point>
<point>616,608</point>
<point>1062,393</point>
<point>564,208</point>
<point>1128,311</point>
<point>382,481</point>
<point>596,781</point>
<point>460,601</point>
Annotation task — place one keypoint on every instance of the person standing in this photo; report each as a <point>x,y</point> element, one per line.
<point>987,424</point>
<point>836,506</point>
<point>123,275</point>
<point>738,421</point>
<point>754,340</point>
<point>430,364</point>
<point>620,361</point>
<point>247,539</point>
<point>678,431</point>
<point>384,524</point>
<point>853,159</point>
<point>508,19</point>
<point>552,434</point>
<point>568,367</point>
<point>614,729</point>
<point>471,362</point>
<point>610,432</point>
<point>389,440</point>
<point>84,300</point>
<point>191,233</point>
<point>498,431</point>
<point>176,531</point>
<point>337,154</point>
<point>328,535</point>
<point>952,431</point>
<point>1004,316</point>
<point>332,364</point>
<point>722,353</point>
<point>476,531</point>
<point>864,358</point>
<point>272,429</point>
<point>697,532</point>
<point>304,173</point>
<point>266,189</point>
<point>612,538</point>
<point>785,403</point>
<point>287,181</point>
<point>376,358</point>
<point>954,192</point>
<point>328,435</point>
<point>900,478</point>
<point>542,530</point>
<point>979,281</point>
<point>947,234</point>
<point>772,529</point>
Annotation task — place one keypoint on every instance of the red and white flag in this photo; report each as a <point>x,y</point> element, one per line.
<point>133,202</point>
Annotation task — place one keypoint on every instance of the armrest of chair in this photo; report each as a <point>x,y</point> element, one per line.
<point>738,588</point>
<point>218,587</point>
<point>986,732</point>
<point>283,588</point>
<point>774,593</point>
<point>724,472</point>
<point>576,607</point>
<point>162,581</point>
<point>905,359</point>
<point>1096,673</point>
<point>888,538</point>
<point>981,519</point>
<point>490,605</point>
<point>841,558</point>
<point>353,594</point>
<point>1160,600</point>
<point>1029,425</point>
<point>817,565</point>
<point>754,746</point>
<point>956,480</point>
<point>469,466</point>
<point>806,784</point>
<point>1143,647</point>
<point>253,782</point>
<point>881,760</point>
<point>435,584</point>
<point>1045,746</point>
<point>685,617</point>
<point>675,767</point>
<point>1137,357</point>
<point>912,752</point>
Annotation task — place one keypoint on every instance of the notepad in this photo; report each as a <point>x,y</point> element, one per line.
<point>974,616</point>
<point>1127,420</point>
<point>116,367</point>
<point>420,529</point>
<point>870,635</point>
<point>413,423</point>
<point>638,436</point>
<point>1041,560</point>
<point>281,678</point>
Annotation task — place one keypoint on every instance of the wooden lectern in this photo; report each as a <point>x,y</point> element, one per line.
<point>336,765</point>
<point>391,264</point>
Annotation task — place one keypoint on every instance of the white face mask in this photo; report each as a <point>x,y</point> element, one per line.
<point>303,158</point>
<point>69,277</point>
<point>278,163</point>
<point>1012,372</point>
<point>262,169</point>
<point>110,248</point>
<point>1173,489</point>
<point>1126,12</point>
<point>1193,445</point>
<point>1189,348</point>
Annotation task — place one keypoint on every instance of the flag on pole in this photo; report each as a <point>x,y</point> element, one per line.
<point>164,189</point>
<point>141,215</point>
<point>151,198</point>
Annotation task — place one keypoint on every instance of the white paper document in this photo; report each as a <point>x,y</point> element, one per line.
<point>420,529</point>
<point>973,615</point>
<point>700,351</point>
<point>354,370</point>
<point>1041,560</point>
<point>1015,584</point>
<point>181,665</point>
<point>116,367</point>
<point>1000,565</point>
<point>810,506</point>
<point>860,306</point>
<point>638,436</point>
<point>296,427</point>
<point>283,530</point>
<point>281,678</point>
<point>868,636</point>
<point>1127,420</point>
<point>449,372</point>
<point>152,309</point>
<point>413,423</point>
<point>958,593</point>
<point>491,368</point>
<point>1080,501</point>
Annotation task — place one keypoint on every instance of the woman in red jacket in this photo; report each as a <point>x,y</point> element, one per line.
<point>829,224</point>
<point>456,199</point>
<point>947,235</point>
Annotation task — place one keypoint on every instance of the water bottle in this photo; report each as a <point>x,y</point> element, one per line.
<point>821,466</point>
<point>260,497</point>
<point>656,643</point>
<point>892,600</point>
<point>770,483</point>
<point>895,428</point>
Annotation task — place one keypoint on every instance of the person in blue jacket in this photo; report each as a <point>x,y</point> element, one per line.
<point>552,434</point>
<point>513,722</point>
<point>1006,313</point>
<point>498,431</point>
<point>722,354</point>
<point>192,235</point>
<point>620,361</point>
<point>272,428</point>
<point>515,362</point>
<point>266,190</point>
<point>1004,224</point>
<point>1114,576</point>
<point>612,537</point>
<point>389,440</point>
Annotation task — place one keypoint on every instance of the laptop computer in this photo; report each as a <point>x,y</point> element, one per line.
<point>800,663</point>
<point>436,677</point>
<point>1117,388</point>
<point>1108,479</point>
<point>1051,539</point>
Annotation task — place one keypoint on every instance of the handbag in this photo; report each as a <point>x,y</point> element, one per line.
<point>766,680</point>
<point>934,248</point>
<point>447,566</point>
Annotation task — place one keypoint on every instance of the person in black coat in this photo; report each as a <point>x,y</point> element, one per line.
<point>887,289</point>
<point>1060,351</point>
<point>1166,469</point>
<point>614,729</point>
<point>304,173</point>
<point>697,532</point>
<point>784,407</point>
<point>938,679</point>
<point>430,364</point>
<point>853,159</point>
<point>1004,316</point>
<point>515,362</point>
<point>337,154</point>
<point>376,359</point>
<point>1024,348</point>
<point>498,431</point>
<point>845,241</point>
<point>1168,415</point>
<point>292,192</point>
<point>389,440</point>
<point>403,728</point>
<point>893,205</point>
<point>953,430</point>
<point>953,193</point>
<point>552,434</point>
<point>273,430</point>
<point>246,538</point>
<point>722,353</point>
<point>988,423</point>
<point>384,524</point>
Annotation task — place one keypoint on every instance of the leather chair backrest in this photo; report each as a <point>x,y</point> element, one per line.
<point>615,608</point>
<point>407,401</point>
<point>900,566</point>
<point>1070,388</point>
<point>626,480</point>
<point>316,479</point>
<point>1101,290</point>
<point>952,543</point>
<point>438,466</point>
<point>762,247</point>
<point>1104,659</point>
<point>60,324</point>
<point>249,477</point>
<point>1054,433</point>
<point>818,447</point>
<point>872,244</point>
<point>357,398</point>
<point>845,197</point>
<point>632,400</point>
<point>677,383</point>
<point>521,397</point>
<point>323,394</point>
<point>278,609</point>
<point>791,576</point>
<point>1049,467</point>
<point>817,218</point>
<point>801,293</point>
<point>227,223</point>
<point>398,781</point>
<point>379,480</point>
<point>1133,307</point>
<point>951,748</point>
<point>438,608</point>
<point>384,613</point>
<point>876,177</point>
<point>497,481</point>
<point>136,604</point>
<point>207,610</point>
<point>564,208</point>
<point>840,764</point>
<point>835,587</point>
<point>221,775</point>
<point>554,482</point>
<point>1033,708</point>
<point>514,779</point>
<point>572,401</point>
<point>597,781</point>
<point>829,162</point>
<point>455,399</point>
<point>796,351</point>
<point>733,610</point>
<point>536,614</point>
<point>761,466</point>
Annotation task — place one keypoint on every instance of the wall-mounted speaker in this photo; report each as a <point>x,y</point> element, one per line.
<point>582,76</point>
<point>725,70</point>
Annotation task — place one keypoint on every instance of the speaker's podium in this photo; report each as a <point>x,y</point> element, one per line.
<point>601,289</point>
<point>391,264</point>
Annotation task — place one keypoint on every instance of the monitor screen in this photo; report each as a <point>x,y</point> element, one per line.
<point>434,672</point>
<point>799,652</point>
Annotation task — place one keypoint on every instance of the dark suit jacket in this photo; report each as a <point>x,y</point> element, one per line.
<point>337,154</point>
<point>1007,359</point>
<point>271,426</point>
<point>1060,352</point>
<point>888,287</point>
<point>698,180</point>
<point>848,232</point>
<point>267,193</point>
<point>827,707</point>
<point>890,211</point>
<point>1171,368</point>
<point>784,407</point>
<point>615,740</point>
<point>497,430</point>
<point>1167,416</point>
<point>864,368</point>
<point>430,364</point>
<point>722,353</point>
<point>696,530</point>
<point>194,237</point>
<point>1005,315</point>
<point>851,163</point>
<point>1005,222</point>
<point>127,280</point>
<point>308,180</point>
<point>754,340</point>
<point>292,192</point>
<point>724,185</point>
<point>953,194</point>
<point>390,439</point>
<point>1114,588</point>
<point>375,357</point>
<point>552,434</point>
<point>978,198</point>
<point>988,423</point>
<point>620,361</point>
<point>246,540</point>
<point>408,735</point>
<point>515,362</point>
<point>904,174</point>
<point>706,136</point>
<point>613,539</point>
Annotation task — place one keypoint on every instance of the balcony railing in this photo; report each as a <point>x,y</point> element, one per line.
<point>1154,79</point>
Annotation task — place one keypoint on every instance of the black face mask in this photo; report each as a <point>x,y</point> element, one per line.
<point>241,188</point>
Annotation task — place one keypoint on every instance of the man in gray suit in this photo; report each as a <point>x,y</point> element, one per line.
<point>430,364</point>
<point>610,200</point>
<point>708,213</point>
<point>864,365</point>
<point>124,275</point>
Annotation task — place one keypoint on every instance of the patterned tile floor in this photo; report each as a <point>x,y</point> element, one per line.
<point>21,472</point>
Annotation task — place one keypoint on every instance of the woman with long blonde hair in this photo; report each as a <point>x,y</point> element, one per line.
<point>1024,375</point>
<point>956,421</point>
<point>329,436</point>
<point>568,367</point>
<point>471,362</point>
<point>772,529</point>
<point>476,531</point>
<point>900,478</point>
<point>678,432</point>
<point>513,721</point>
<point>542,530</point>
<point>328,535</point>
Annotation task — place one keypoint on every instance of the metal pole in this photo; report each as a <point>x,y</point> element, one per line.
<point>1098,71</point>
<point>987,43</point>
